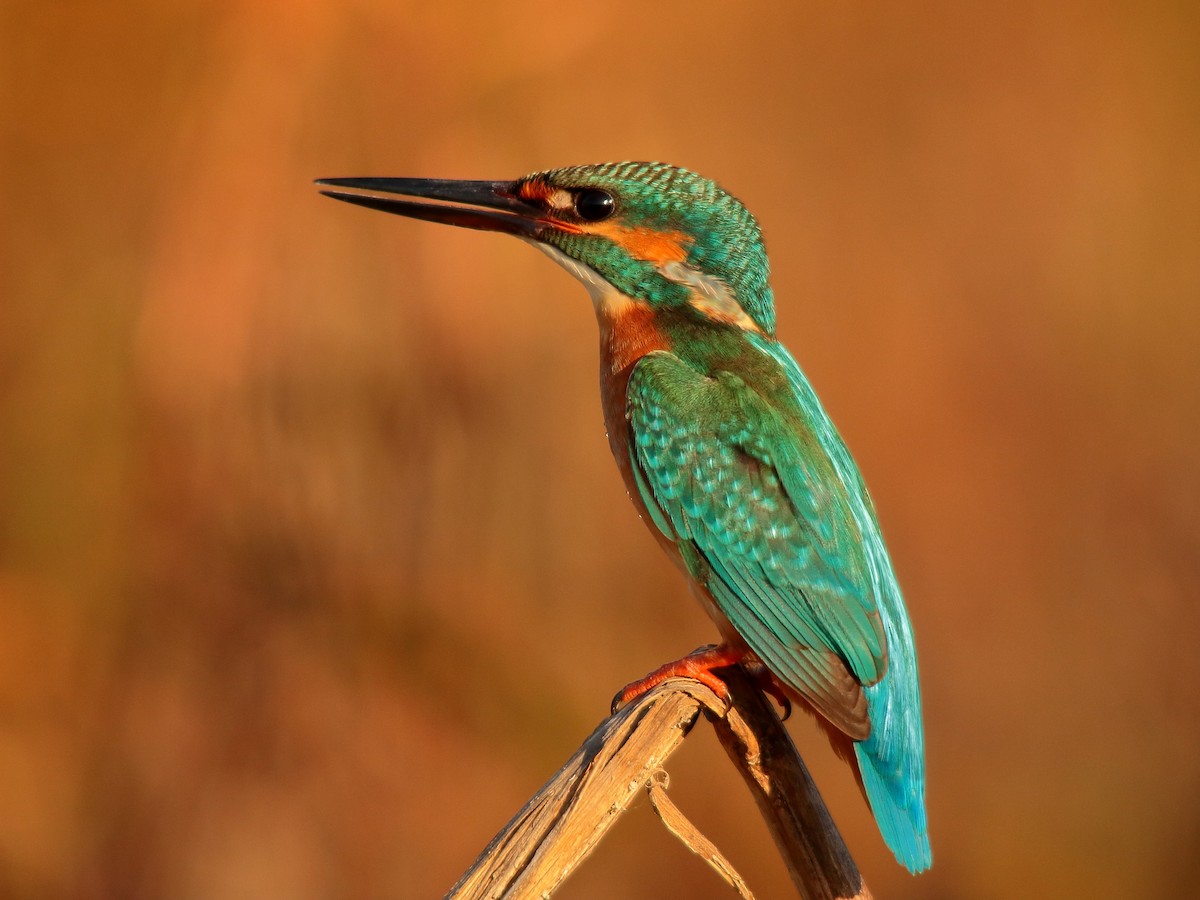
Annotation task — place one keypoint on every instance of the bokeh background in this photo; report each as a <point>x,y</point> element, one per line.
<point>313,561</point>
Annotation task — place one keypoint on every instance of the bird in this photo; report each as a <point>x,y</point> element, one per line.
<point>724,448</point>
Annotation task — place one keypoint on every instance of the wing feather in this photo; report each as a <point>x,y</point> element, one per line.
<point>776,543</point>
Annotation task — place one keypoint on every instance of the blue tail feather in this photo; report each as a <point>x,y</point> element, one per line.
<point>894,778</point>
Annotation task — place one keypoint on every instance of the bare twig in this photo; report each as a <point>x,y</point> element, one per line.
<point>691,837</point>
<point>563,822</point>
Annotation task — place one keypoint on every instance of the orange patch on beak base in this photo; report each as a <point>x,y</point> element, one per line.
<point>538,192</point>
<point>533,190</point>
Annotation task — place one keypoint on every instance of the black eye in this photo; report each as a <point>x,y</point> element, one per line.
<point>592,205</point>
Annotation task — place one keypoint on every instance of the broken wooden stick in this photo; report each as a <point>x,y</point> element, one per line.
<point>563,822</point>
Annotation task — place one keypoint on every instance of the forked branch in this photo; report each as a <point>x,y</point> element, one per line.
<point>562,823</point>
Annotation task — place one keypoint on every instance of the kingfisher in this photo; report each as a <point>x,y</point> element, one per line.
<point>724,449</point>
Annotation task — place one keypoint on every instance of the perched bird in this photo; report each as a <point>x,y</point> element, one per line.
<point>724,448</point>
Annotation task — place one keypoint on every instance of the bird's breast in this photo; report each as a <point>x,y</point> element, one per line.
<point>628,331</point>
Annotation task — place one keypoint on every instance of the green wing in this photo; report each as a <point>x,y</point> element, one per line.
<point>761,518</point>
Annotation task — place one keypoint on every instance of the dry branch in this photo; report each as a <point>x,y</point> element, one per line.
<point>761,749</point>
<point>564,821</point>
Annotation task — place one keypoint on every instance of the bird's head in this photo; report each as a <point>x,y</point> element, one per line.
<point>659,234</point>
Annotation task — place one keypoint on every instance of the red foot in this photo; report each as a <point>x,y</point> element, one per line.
<point>698,665</point>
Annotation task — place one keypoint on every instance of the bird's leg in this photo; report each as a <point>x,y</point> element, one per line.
<point>697,665</point>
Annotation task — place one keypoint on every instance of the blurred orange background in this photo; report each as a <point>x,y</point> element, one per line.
<point>313,561</point>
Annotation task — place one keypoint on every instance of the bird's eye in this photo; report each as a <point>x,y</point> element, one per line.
<point>592,205</point>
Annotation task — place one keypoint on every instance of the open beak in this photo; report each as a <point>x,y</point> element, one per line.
<point>484,205</point>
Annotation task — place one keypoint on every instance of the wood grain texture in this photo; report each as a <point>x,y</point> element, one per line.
<point>562,824</point>
<point>762,751</point>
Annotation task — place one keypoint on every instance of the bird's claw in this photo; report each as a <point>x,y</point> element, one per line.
<point>767,683</point>
<point>618,701</point>
<point>777,694</point>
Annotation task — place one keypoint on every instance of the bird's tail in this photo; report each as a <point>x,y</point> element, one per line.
<point>891,766</point>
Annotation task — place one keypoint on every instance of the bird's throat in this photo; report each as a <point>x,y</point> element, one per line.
<point>628,328</point>
<point>597,287</point>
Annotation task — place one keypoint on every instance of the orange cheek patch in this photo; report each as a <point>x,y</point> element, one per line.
<point>643,243</point>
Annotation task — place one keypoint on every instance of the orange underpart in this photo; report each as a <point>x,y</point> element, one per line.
<point>698,665</point>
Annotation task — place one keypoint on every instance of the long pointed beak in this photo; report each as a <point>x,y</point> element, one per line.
<point>484,205</point>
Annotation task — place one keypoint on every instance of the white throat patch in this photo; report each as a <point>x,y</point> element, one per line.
<point>603,294</point>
